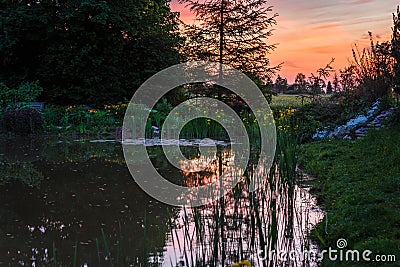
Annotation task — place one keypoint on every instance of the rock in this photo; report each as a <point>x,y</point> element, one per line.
<point>381,116</point>
<point>321,134</point>
<point>361,132</point>
<point>376,124</point>
<point>361,124</point>
<point>175,142</point>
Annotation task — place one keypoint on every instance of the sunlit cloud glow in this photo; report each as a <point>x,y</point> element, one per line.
<point>309,33</point>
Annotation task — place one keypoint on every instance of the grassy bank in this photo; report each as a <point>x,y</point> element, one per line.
<point>295,100</point>
<point>359,187</point>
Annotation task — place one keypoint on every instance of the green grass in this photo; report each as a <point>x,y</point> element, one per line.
<point>359,187</point>
<point>283,100</point>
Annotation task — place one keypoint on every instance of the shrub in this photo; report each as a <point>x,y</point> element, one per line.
<point>22,120</point>
<point>76,115</point>
<point>374,68</point>
<point>101,120</point>
<point>162,109</point>
<point>83,119</point>
<point>53,116</point>
<point>26,92</point>
<point>316,115</point>
<point>117,111</point>
<point>352,103</point>
<point>394,118</point>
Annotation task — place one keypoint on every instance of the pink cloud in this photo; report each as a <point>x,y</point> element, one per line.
<point>310,32</point>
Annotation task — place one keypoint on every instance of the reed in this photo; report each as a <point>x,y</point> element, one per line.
<point>98,251</point>
<point>107,248</point>
<point>235,227</point>
<point>54,255</point>
<point>74,262</point>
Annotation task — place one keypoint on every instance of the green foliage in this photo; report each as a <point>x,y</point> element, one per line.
<point>359,183</point>
<point>83,119</point>
<point>351,102</point>
<point>86,51</point>
<point>53,116</point>
<point>315,115</point>
<point>164,107</point>
<point>203,128</point>
<point>232,33</point>
<point>287,147</point>
<point>374,69</point>
<point>282,101</point>
<point>265,87</point>
<point>395,42</point>
<point>86,120</point>
<point>161,111</point>
<point>77,116</point>
<point>117,111</point>
<point>25,92</point>
<point>177,95</point>
<point>394,118</point>
<point>29,91</point>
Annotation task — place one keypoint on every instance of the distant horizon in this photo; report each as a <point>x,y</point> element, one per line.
<point>310,33</point>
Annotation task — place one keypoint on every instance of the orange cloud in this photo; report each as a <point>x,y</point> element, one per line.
<point>327,26</point>
<point>310,33</point>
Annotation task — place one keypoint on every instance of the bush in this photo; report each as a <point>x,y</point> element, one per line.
<point>316,115</point>
<point>22,121</point>
<point>26,92</point>
<point>352,104</point>
<point>102,120</point>
<point>85,120</point>
<point>54,116</point>
<point>162,109</point>
<point>117,111</point>
<point>394,118</point>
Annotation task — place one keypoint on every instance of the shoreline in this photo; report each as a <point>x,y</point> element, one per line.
<point>358,186</point>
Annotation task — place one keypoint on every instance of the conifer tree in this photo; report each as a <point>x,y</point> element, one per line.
<point>232,32</point>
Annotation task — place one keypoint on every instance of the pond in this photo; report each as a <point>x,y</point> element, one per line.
<point>74,201</point>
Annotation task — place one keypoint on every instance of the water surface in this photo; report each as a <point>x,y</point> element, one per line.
<point>58,195</point>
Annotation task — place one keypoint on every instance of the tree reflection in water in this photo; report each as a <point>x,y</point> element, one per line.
<point>244,225</point>
<point>84,189</point>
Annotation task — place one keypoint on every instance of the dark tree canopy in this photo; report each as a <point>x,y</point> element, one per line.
<point>396,49</point>
<point>374,69</point>
<point>317,82</point>
<point>281,84</point>
<point>231,32</point>
<point>86,51</point>
<point>335,83</point>
<point>329,88</point>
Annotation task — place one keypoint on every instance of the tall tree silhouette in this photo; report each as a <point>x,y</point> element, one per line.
<point>396,49</point>
<point>232,32</point>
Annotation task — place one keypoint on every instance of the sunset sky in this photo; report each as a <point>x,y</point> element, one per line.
<point>309,33</point>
